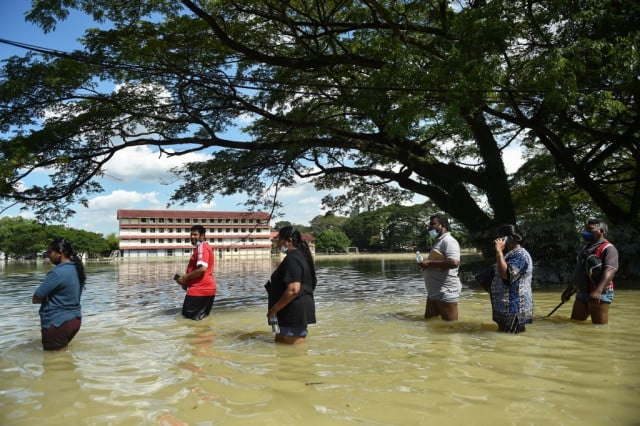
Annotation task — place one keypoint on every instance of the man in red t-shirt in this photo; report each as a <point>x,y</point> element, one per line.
<point>198,281</point>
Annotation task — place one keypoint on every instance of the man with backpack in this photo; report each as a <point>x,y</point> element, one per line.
<point>593,276</point>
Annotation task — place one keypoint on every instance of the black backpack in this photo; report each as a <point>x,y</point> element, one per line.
<point>593,263</point>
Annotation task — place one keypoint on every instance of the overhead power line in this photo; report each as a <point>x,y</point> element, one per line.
<point>273,85</point>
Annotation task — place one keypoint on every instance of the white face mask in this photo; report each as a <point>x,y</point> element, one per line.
<point>283,250</point>
<point>433,233</point>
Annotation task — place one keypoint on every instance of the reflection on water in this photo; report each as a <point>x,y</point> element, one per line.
<point>371,359</point>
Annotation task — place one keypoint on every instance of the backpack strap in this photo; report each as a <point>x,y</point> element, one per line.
<point>598,253</point>
<point>601,248</point>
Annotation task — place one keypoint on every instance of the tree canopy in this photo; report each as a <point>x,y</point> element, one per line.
<point>325,222</point>
<point>21,237</point>
<point>382,98</point>
<point>332,241</point>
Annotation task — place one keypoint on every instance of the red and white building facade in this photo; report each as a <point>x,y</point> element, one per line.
<point>149,233</point>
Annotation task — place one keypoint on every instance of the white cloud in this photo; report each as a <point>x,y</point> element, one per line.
<point>417,199</point>
<point>206,206</point>
<point>294,191</point>
<point>309,201</point>
<point>512,158</point>
<point>245,119</point>
<point>301,203</point>
<point>141,163</point>
<point>101,215</point>
<point>104,224</point>
<point>121,199</point>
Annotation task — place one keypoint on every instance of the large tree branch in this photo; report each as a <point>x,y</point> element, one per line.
<point>319,61</point>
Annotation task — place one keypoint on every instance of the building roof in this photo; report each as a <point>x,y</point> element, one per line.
<point>192,214</point>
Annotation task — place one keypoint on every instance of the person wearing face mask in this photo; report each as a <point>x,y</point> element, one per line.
<point>510,288</point>
<point>198,281</point>
<point>291,302</point>
<point>592,281</point>
<point>441,271</point>
<point>59,296</point>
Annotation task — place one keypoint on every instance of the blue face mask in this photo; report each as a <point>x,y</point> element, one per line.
<point>283,250</point>
<point>588,235</point>
<point>433,233</point>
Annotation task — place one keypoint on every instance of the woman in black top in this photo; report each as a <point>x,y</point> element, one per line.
<point>291,288</point>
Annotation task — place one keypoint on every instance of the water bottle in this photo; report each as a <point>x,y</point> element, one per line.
<point>274,325</point>
<point>418,257</point>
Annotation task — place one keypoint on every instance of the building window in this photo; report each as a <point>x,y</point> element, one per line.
<point>170,220</point>
<point>143,230</point>
<point>143,241</point>
<point>143,220</point>
<point>161,240</point>
<point>187,220</point>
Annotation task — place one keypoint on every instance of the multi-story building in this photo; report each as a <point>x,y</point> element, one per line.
<point>145,233</point>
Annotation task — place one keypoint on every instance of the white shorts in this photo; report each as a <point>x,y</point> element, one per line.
<point>448,296</point>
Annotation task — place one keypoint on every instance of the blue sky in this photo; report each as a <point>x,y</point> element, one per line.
<point>138,178</point>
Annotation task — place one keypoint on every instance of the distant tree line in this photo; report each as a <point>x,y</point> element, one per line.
<point>393,228</point>
<point>27,238</point>
<point>553,242</point>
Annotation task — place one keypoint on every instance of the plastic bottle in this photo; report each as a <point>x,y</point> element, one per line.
<point>418,257</point>
<point>274,325</point>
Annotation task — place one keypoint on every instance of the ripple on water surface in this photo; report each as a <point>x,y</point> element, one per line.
<point>371,358</point>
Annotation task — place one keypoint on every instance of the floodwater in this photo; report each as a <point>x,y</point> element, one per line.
<point>371,359</point>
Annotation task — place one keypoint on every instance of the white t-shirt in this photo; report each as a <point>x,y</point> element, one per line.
<point>439,280</point>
